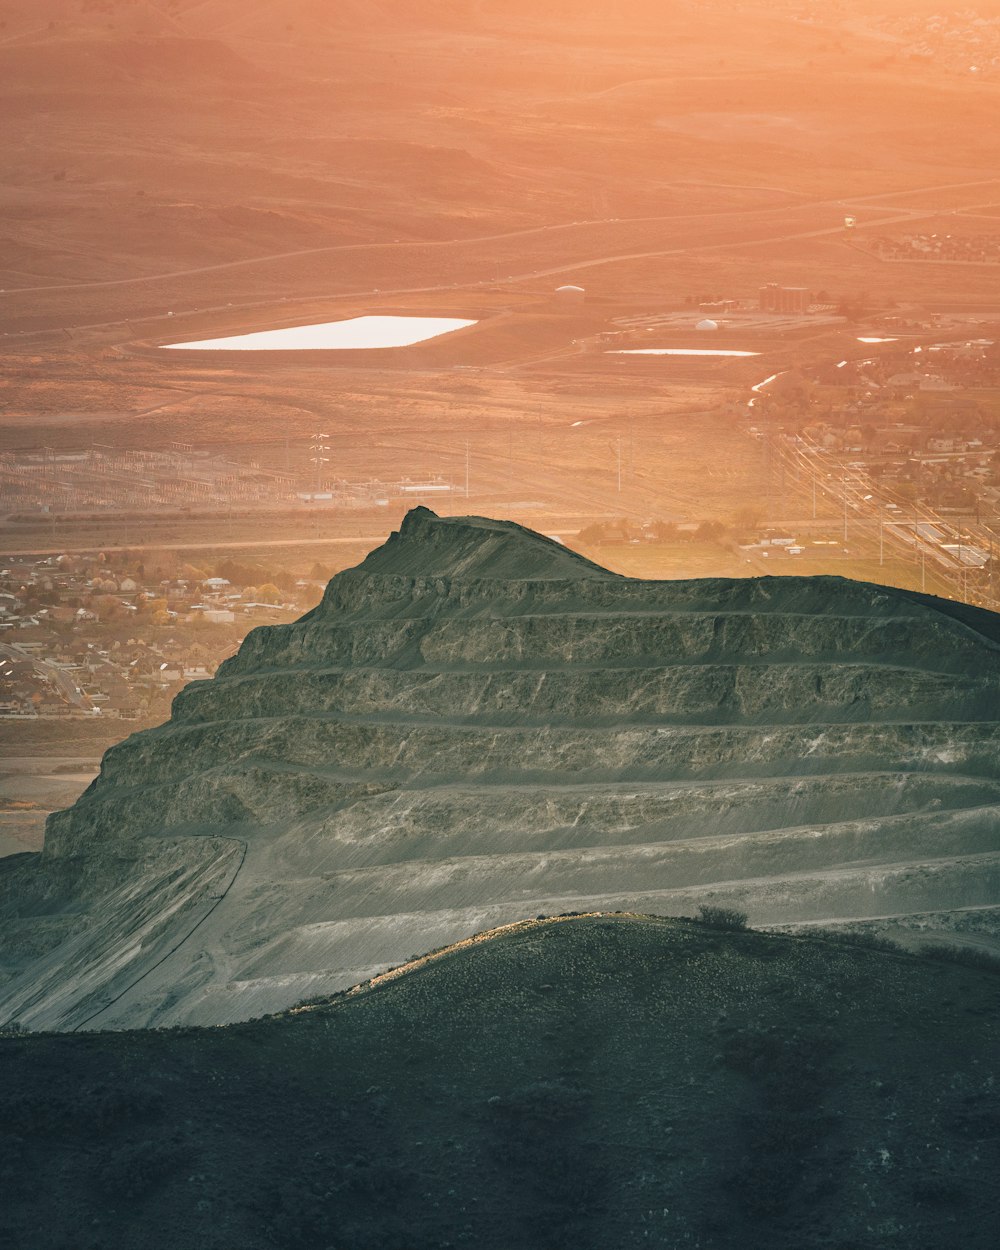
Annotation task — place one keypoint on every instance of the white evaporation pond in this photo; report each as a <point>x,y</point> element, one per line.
<point>357,333</point>
<point>871,340</point>
<point>679,351</point>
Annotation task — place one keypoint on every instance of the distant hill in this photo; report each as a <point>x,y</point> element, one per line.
<point>591,1083</point>
<point>133,122</point>
<point>125,64</point>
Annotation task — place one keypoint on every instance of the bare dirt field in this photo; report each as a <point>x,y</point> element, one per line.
<point>30,788</point>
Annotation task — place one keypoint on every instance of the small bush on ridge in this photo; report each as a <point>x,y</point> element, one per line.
<point>721,917</point>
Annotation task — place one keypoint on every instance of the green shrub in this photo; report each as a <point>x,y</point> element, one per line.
<point>721,917</point>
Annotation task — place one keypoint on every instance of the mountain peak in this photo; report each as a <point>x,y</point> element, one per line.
<point>429,545</point>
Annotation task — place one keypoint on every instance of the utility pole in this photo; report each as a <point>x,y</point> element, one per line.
<point>619,464</point>
<point>845,507</point>
<point>467,468</point>
<point>320,449</point>
<point>767,472</point>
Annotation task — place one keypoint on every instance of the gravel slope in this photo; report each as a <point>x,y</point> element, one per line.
<point>477,725</point>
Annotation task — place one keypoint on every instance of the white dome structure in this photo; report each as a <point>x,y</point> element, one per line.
<point>707,324</point>
<point>570,294</point>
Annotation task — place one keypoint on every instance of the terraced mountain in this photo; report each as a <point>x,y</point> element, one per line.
<point>475,726</point>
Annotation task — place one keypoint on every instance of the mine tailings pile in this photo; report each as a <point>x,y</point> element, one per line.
<point>476,726</point>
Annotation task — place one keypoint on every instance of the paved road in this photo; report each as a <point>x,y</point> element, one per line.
<point>368,540</point>
<point>395,245</point>
<point>68,688</point>
<point>903,214</point>
<point>900,215</point>
<point>907,215</point>
<point>508,234</point>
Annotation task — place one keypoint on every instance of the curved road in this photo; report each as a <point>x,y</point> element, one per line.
<point>510,234</point>
<point>68,688</point>
<point>908,215</point>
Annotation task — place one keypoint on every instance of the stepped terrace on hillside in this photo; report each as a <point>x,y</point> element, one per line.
<point>477,725</point>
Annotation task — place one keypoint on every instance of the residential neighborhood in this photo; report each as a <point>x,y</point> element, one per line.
<point>965,42</point>
<point>976,249</point>
<point>104,636</point>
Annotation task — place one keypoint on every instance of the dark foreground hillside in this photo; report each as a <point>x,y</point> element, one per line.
<point>593,1082</point>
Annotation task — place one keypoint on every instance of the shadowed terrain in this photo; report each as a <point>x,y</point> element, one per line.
<point>591,1082</point>
<point>476,726</point>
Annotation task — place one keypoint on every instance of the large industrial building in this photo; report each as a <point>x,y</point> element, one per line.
<point>784,299</point>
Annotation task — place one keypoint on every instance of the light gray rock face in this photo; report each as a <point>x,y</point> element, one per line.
<point>476,725</point>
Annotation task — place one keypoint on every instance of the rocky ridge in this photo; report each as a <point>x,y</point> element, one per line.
<point>477,725</point>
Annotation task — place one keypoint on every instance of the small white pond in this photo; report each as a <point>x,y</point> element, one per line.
<point>357,333</point>
<point>678,351</point>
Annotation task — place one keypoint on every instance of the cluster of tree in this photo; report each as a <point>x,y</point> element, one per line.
<point>244,574</point>
<point>602,533</point>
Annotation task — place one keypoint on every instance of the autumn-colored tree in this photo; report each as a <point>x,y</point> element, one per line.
<point>747,517</point>
<point>107,607</point>
<point>709,531</point>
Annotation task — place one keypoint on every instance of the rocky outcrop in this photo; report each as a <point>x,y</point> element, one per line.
<point>477,725</point>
